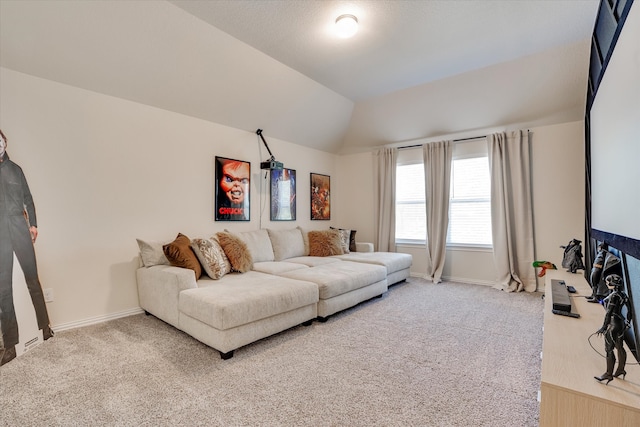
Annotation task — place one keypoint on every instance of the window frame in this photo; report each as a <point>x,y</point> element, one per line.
<point>409,162</point>
<point>465,156</point>
<point>476,147</point>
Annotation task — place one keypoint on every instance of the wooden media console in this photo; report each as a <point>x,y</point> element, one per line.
<point>569,394</point>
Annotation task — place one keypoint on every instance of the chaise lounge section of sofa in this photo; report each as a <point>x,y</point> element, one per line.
<point>287,285</point>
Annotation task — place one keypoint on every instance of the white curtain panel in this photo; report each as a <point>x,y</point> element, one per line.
<point>385,198</point>
<point>512,211</point>
<point>437,179</point>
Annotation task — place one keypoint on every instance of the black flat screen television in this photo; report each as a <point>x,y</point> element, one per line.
<point>631,270</point>
<point>613,145</point>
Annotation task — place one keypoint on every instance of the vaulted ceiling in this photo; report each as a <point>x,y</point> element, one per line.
<point>415,69</point>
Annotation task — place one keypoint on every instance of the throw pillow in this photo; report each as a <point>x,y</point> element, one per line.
<point>237,252</point>
<point>344,239</point>
<point>180,254</point>
<point>211,256</point>
<point>287,243</point>
<point>258,243</point>
<point>151,253</point>
<point>352,240</point>
<point>305,239</point>
<point>325,243</point>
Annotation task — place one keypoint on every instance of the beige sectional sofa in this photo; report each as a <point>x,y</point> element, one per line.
<point>287,285</point>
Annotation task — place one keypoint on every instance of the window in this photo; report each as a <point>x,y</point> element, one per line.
<point>411,225</point>
<point>469,199</point>
<point>470,203</point>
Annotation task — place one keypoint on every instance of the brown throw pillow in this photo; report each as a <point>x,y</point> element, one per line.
<point>237,252</point>
<point>180,254</point>
<point>325,243</point>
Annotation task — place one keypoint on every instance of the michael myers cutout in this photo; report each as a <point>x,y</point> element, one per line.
<point>18,233</point>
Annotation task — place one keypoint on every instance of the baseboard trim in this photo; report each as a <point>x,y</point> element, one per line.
<point>94,320</point>
<point>458,279</point>
<point>467,280</point>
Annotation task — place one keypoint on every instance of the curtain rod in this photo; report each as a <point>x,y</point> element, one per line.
<point>455,140</point>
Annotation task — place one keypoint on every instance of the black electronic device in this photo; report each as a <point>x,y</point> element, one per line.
<point>561,299</point>
<point>272,163</point>
<point>560,296</point>
<point>613,201</point>
<point>565,313</point>
<point>571,289</point>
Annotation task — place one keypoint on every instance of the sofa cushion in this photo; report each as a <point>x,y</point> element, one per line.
<point>212,257</point>
<point>312,261</point>
<point>237,252</point>
<point>277,267</point>
<point>305,239</point>
<point>180,254</point>
<point>244,298</point>
<point>392,261</point>
<point>325,243</point>
<point>286,243</point>
<point>338,278</point>
<point>152,253</point>
<point>258,243</point>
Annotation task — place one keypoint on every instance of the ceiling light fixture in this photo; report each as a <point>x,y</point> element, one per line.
<point>346,25</point>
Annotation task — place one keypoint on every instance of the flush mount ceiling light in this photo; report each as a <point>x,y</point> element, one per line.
<point>346,25</point>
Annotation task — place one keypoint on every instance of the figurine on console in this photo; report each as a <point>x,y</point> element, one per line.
<point>604,265</point>
<point>614,327</point>
<point>572,256</point>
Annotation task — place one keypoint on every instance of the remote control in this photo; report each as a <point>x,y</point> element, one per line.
<point>571,289</point>
<point>565,313</point>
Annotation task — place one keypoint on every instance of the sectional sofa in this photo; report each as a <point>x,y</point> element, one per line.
<point>246,286</point>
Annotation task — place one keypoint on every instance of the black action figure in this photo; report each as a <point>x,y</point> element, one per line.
<point>572,257</point>
<point>614,327</point>
<point>604,265</point>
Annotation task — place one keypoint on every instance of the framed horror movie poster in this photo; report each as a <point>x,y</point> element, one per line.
<point>283,195</point>
<point>320,196</point>
<point>232,194</point>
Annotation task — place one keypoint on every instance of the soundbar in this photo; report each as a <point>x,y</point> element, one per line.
<point>560,295</point>
<point>560,299</point>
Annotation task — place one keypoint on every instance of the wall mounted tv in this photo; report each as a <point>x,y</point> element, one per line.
<point>615,138</point>
<point>613,144</point>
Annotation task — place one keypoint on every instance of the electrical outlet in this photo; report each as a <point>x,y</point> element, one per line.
<point>48,295</point>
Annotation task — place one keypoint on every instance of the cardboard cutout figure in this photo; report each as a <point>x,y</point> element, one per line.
<point>18,233</point>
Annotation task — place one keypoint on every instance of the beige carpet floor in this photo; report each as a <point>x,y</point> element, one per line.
<point>451,354</point>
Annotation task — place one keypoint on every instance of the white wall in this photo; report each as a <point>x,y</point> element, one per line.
<point>558,189</point>
<point>104,171</point>
<point>558,193</point>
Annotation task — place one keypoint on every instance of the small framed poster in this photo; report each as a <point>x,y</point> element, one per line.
<point>283,195</point>
<point>320,196</point>
<point>233,185</point>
